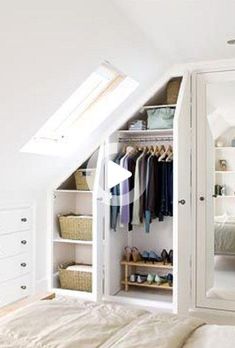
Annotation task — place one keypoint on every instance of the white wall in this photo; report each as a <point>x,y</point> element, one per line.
<point>48,48</point>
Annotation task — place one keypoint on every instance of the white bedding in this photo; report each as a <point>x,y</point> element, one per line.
<point>74,324</point>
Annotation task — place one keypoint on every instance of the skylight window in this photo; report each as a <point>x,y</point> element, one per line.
<point>102,92</point>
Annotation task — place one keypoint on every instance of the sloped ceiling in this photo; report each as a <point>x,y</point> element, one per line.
<point>48,48</point>
<point>185,30</point>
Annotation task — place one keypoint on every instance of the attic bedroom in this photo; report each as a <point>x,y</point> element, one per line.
<point>117,190</point>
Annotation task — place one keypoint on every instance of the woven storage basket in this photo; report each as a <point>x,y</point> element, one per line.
<point>172,91</point>
<point>75,280</point>
<point>77,227</point>
<point>84,179</point>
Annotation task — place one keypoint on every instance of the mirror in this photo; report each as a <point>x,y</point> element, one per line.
<point>220,187</point>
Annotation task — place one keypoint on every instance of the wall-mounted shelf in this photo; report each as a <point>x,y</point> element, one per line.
<point>225,172</point>
<point>72,241</point>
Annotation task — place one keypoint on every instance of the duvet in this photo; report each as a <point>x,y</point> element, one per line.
<point>66,323</point>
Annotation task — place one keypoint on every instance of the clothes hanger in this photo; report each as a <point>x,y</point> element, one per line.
<point>169,154</point>
<point>162,153</point>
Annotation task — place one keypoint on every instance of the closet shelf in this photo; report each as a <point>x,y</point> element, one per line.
<point>73,191</point>
<point>147,264</point>
<point>72,241</point>
<point>225,171</point>
<point>145,107</point>
<point>164,286</point>
<point>147,132</point>
<point>228,196</point>
<point>225,148</point>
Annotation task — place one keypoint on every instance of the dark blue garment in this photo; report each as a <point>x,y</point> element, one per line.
<point>115,200</point>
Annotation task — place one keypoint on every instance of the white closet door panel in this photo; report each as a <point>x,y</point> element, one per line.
<point>182,204</point>
<point>15,266</point>
<point>14,244</point>
<point>209,293</point>
<point>14,290</point>
<point>15,220</point>
<point>98,227</point>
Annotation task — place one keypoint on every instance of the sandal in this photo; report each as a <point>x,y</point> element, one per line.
<point>128,253</point>
<point>135,254</point>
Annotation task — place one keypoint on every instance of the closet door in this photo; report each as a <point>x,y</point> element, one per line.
<point>215,193</point>
<point>98,226</point>
<point>182,214</point>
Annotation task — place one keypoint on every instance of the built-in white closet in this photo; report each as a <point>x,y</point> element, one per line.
<point>110,272</point>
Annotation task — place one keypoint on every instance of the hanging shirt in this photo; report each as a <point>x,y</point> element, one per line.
<point>115,199</point>
<point>124,195</point>
<point>143,172</point>
<point>136,204</point>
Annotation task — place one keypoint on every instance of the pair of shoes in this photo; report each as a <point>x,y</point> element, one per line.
<point>132,254</point>
<point>170,279</point>
<point>139,278</point>
<point>167,257</point>
<point>160,279</point>
<point>150,279</point>
<point>151,256</point>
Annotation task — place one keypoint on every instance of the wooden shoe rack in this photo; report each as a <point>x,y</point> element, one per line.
<point>141,264</point>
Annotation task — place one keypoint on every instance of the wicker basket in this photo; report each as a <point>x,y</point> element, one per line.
<point>84,179</point>
<point>78,227</point>
<point>75,280</point>
<point>172,91</point>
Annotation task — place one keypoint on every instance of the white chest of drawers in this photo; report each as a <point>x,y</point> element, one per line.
<point>16,254</point>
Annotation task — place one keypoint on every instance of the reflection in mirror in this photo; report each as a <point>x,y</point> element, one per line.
<point>220,208</point>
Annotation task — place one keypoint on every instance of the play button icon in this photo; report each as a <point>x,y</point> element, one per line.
<point>116,174</point>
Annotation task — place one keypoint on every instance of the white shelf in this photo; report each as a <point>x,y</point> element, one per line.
<point>74,293</point>
<point>225,148</point>
<point>73,191</point>
<point>159,106</point>
<point>228,196</point>
<point>225,171</point>
<point>72,241</point>
<point>147,132</point>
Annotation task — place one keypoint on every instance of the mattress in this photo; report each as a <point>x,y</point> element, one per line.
<point>69,323</point>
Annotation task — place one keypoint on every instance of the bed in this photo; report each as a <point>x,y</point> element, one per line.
<point>224,235</point>
<point>69,323</point>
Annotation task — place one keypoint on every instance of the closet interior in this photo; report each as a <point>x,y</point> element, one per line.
<point>72,241</point>
<point>137,265</point>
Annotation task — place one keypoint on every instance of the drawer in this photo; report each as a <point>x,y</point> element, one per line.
<point>15,220</point>
<point>15,243</point>
<point>16,289</point>
<point>16,266</point>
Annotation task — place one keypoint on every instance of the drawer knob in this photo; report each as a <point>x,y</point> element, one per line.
<point>23,287</point>
<point>23,219</point>
<point>24,241</point>
<point>23,264</point>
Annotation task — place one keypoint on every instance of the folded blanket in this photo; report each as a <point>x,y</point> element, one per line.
<point>76,324</point>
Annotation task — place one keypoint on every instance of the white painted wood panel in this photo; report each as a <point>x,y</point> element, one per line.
<point>15,243</point>
<point>15,220</point>
<point>15,289</point>
<point>15,266</point>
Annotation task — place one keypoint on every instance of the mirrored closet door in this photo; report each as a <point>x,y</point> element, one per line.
<point>215,196</point>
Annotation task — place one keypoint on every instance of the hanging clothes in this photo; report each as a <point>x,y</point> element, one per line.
<point>148,193</point>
